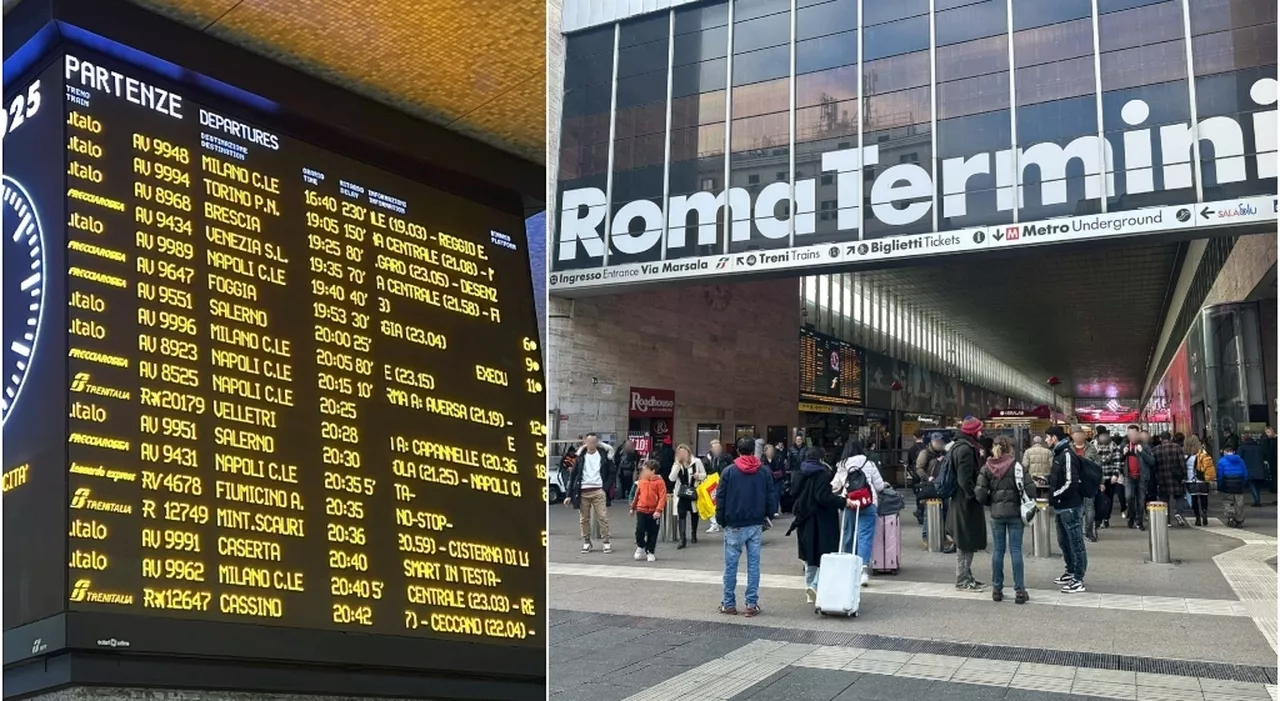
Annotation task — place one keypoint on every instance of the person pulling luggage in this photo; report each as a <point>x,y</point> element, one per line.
<point>817,517</point>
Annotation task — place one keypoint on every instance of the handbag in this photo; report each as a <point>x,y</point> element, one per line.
<point>891,502</point>
<point>1027,505</point>
<point>686,491</point>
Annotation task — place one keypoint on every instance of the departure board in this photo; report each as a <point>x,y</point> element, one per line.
<point>830,369</point>
<point>301,391</point>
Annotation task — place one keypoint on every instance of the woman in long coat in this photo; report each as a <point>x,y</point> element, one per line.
<point>968,518</point>
<point>817,516</point>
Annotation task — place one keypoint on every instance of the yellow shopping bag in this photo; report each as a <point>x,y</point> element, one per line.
<point>707,497</point>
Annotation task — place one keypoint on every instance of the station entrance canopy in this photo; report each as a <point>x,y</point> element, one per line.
<point>603,245</point>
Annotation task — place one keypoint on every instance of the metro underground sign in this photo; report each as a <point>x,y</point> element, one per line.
<point>899,193</point>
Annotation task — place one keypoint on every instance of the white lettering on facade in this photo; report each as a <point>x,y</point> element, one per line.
<point>901,194</point>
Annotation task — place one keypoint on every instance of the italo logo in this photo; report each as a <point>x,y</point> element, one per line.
<point>902,192</point>
<point>642,403</point>
<point>83,499</point>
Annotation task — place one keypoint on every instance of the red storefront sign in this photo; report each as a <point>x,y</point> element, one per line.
<point>651,403</point>
<point>1040,412</point>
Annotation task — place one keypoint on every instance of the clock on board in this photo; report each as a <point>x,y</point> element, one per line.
<point>24,270</point>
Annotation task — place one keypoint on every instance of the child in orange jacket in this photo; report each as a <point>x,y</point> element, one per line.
<point>646,506</point>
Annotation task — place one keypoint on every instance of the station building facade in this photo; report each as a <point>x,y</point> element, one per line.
<point>691,132</point>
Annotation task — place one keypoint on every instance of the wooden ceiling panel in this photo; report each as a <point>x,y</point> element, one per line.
<point>477,67</point>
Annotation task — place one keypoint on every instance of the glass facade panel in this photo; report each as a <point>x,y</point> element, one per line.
<point>584,135</point>
<point>969,195</point>
<point>699,90</point>
<point>639,141</point>
<point>827,115</point>
<point>760,147</point>
<point>1029,14</point>
<point>826,18</point>
<point>1060,159</point>
<point>1228,104</point>
<point>1233,49</point>
<point>1143,59</point>
<point>975,21</point>
<point>894,38</point>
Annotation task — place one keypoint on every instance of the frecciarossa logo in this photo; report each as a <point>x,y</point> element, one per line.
<point>902,193</point>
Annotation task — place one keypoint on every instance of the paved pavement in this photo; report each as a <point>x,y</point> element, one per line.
<point>1210,615</point>
<point>603,657</point>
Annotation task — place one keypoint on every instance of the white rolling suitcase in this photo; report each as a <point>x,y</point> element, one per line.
<point>840,577</point>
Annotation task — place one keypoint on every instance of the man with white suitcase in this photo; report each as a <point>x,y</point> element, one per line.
<point>745,498</point>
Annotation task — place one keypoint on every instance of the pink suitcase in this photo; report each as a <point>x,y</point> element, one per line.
<point>887,548</point>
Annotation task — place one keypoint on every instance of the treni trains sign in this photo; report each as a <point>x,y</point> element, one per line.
<point>897,193</point>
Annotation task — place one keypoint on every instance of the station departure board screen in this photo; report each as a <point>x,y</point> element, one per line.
<point>830,369</point>
<point>299,390</point>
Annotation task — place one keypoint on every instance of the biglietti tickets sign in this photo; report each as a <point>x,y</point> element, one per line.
<point>1154,160</point>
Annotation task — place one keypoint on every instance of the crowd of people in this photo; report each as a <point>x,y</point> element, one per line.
<point>977,479</point>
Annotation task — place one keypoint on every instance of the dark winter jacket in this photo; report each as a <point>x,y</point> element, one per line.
<point>716,463</point>
<point>777,467</point>
<point>998,489</point>
<point>817,510</point>
<point>795,458</point>
<point>1146,461</point>
<point>746,495</point>
<point>1232,474</point>
<point>1251,453</point>
<point>1064,478</point>
<point>967,518</point>
<point>913,453</point>
<point>607,475</point>
<point>1231,442</point>
<point>628,461</point>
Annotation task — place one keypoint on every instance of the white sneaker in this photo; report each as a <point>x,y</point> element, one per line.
<point>639,554</point>
<point>586,548</point>
<point>810,594</point>
<point>714,528</point>
<point>866,576</point>
<point>650,557</point>
<point>607,548</point>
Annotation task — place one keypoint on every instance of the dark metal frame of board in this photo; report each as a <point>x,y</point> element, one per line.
<point>218,656</point>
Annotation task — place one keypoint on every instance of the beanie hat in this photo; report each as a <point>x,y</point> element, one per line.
<point>971,426</point>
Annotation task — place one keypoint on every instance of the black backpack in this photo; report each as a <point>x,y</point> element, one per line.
<point>1090,475</point>
<point>944,481</point>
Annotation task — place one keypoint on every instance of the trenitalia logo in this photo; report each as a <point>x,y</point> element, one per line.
<point>902,192</point>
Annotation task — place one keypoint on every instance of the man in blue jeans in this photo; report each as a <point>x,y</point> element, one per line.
<point>1064,496</point>
<point>744,499</point>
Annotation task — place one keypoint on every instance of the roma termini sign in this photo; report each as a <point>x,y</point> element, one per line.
<point>902,195</point>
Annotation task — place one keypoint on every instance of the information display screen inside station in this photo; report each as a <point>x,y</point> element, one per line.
<point>296,390</point>
<point>830,369</point>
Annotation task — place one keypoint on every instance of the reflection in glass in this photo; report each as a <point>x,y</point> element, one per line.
<point>971,151</point>
<point>760,149</point>
<point>697,130</point>
<point>640,123</point>
<point>584,140</point>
